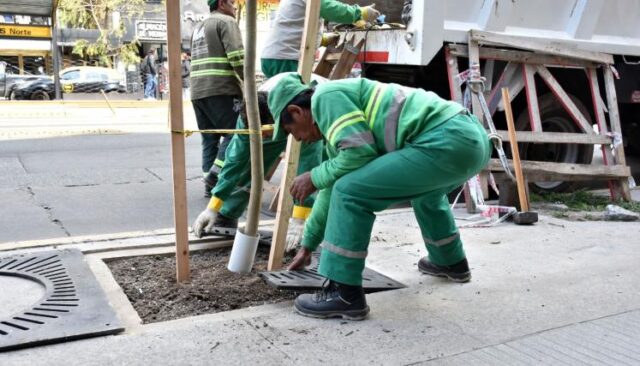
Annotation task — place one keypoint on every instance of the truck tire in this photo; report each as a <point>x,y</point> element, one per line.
<point>12,95</point>
<point>554,119</point>
<point>40,95</point>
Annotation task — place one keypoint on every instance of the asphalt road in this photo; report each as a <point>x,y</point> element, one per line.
<point>98,184</point>
<point>85,185</point>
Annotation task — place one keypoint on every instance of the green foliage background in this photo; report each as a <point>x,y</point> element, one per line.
<point>97,14</point>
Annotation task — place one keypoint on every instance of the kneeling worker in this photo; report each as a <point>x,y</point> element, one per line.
<point>386,144</point>
<point>230,196</point>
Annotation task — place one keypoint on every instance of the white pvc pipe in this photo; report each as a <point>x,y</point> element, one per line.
<point>243,252</point>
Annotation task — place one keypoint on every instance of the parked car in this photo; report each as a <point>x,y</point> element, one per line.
<point>83,79</point>
<point>9,80</point>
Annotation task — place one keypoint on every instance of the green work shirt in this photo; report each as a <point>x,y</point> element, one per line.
<point>361,119</point>
<point>217,57</point>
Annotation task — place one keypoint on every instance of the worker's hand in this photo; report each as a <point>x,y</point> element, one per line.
<point>294,233</point>
<point>302,187</point>
<point>330,39</point>
<point>302,259</point>
<point>204,222</point>
<point>369,13</point>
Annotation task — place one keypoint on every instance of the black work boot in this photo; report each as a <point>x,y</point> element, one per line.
<point>210,181</point>
<point>458,272</point>
<point>335,300</point>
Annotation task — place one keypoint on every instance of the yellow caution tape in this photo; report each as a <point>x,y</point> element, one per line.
<point>240,131</point>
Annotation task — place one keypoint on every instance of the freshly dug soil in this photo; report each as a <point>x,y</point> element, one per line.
<point>150,285</point>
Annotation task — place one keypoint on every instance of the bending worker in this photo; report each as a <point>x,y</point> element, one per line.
<point>386,144</point>
<point>216,74</point>
<point>230,196</point>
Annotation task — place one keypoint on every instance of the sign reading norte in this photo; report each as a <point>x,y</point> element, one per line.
<point>22,31</point>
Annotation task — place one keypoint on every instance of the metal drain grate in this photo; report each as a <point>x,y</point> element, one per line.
<point>74,305</point>
<point>310,279</point>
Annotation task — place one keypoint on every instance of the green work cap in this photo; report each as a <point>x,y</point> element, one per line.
<point>212,3</point>
<point>289,86</point>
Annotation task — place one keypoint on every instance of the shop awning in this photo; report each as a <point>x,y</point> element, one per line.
<point>44,8</point>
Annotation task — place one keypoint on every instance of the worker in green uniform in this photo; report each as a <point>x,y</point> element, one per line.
<point>282,49</point>
<point>386,144</point>
<point>230,196</point>
<point>280,54</point>
<point>217,59</point>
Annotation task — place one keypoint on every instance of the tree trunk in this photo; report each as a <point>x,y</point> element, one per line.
<point>251,97</point>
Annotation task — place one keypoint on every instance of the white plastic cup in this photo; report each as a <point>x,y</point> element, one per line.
<point>243,253</point>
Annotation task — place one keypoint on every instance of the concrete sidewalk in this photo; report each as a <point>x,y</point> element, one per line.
<point>559,292</point>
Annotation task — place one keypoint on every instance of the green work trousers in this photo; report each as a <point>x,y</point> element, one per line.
<point>216,112</point>
<point>236,203</point>
<point>271,67</point>
<point>427,168</point>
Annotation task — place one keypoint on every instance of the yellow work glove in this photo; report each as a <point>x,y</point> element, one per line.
<point>329,39</point>
<point>205,220</point>
<point>369,13</point>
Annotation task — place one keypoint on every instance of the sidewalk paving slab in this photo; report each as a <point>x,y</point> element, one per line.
<point>533,288</point>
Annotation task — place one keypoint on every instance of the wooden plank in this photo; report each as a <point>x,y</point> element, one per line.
<point>177,143</point>
<point>539,45</point>
<point>455,92</point>
<point>540,171</point>
<point>528,73</point>
<point>513,141</point>
<point>506,79</point>
<point>565,100</point>
<point>285,202</point>
<point>474,59</point>
<point>526,57</point>
<point>348,57</point>
<point>614,120</point>
<point>558,137</point>
<point>615,187</point>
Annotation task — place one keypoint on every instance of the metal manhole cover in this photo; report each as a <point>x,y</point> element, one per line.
<point>310,279</point>
<point>73,306</point>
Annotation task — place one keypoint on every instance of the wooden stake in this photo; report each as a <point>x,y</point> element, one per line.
<point>177,142</point>
<point>285,202</point>
<point>614,120</point>
<point>517,167</point>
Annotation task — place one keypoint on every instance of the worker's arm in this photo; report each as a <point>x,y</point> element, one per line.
<point>339,12</point>
<point>336,11</point>
<point>233,47</point>
<point>236,165</point>
<point>348,137</point>
<point>314,227</point>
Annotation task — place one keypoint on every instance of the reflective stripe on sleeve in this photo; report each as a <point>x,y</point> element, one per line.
<point>342,122</point>
<point>356,140</point>
<point>343,252</point>
<point>442,242</point>
<point>237,53</point>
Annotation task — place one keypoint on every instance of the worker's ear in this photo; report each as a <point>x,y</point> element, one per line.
<point>295,112</point>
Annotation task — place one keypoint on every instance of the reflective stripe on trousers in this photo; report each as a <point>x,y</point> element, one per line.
<point>343,252</point>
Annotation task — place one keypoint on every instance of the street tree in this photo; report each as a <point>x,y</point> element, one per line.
<point>108,17</point>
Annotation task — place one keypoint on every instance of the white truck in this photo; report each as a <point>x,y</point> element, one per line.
<point>415,56</point>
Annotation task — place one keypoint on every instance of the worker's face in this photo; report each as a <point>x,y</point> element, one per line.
<point>302,127</point>
<point>228,7</point>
